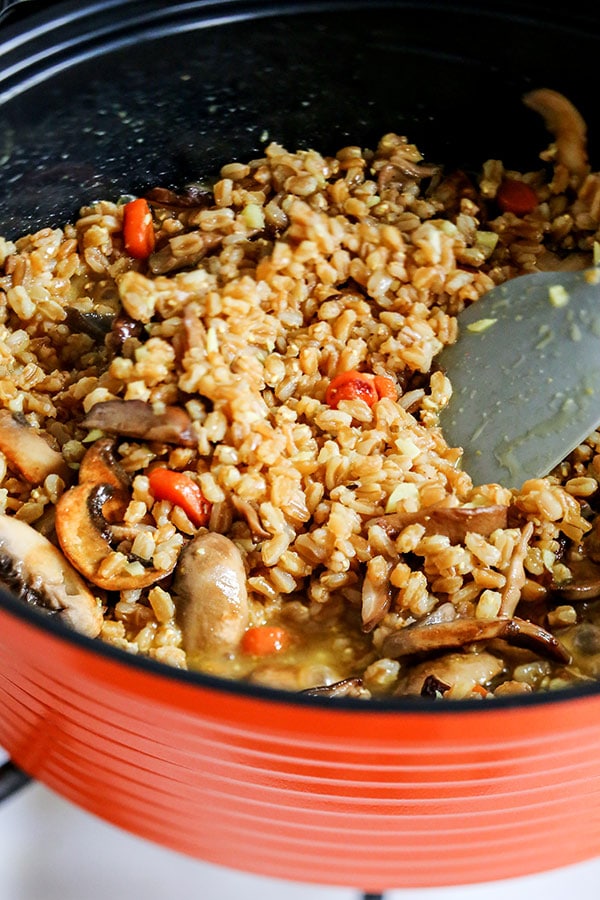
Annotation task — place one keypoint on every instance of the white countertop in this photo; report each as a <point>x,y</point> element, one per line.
<point>50,850</point>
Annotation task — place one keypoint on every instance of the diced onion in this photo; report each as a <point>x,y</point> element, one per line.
<point>481,325</point>
<point>404,491</point>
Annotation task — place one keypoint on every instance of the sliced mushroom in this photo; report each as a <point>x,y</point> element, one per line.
<point>516,576</point>
<point>401,169</point>
<point>583,585</point>
<point>28,451</point>
<point>583,642</point>
<point>211,594</point>
<point>434,638</point>
<point>95,325</point>
<point>348,687</point>
<point>455,522</point>
<point>137,419</point>
<point>183,251</point>
<point>195,197</point>
<point>39,574</point>
<point>433,687</point>
<point>583,563</point>
<point>250,514</point>
<point>375,602</point>
<point>567,125</point>
<point>458,673</point>
<point>591,542</point>
<point>84,515</point>
<point>100,465</point>
<point>84,534</point>
<point>123,328</point>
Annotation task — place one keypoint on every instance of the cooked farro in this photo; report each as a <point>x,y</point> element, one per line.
<point>299,543</point>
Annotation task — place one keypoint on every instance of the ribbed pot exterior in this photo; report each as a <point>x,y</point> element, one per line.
<point>360,797</point>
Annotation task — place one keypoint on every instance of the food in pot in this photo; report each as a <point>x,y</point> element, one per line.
<point>218,431</point>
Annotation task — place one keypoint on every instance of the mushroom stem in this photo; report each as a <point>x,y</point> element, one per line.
<point>516,577</point>
<point>210,594</point>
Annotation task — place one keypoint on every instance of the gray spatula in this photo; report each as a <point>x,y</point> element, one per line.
<point>525,372</point>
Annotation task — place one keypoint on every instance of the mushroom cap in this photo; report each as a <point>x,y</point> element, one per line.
<point>84,537</point>
<point>32,563</point>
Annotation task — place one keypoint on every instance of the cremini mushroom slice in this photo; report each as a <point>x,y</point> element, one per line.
<point>583,563</point>
<point>28,451</point>
<point>250,513</point>
<point>583,643</point>
<point>183,251</point>
<point>210,594</point>
<point>375,602</point>
<point>455,522</point>
<point>95,325</point>
<point>101,466</point>
<point>567,125</point>
<point>84,516</point>
<point>84,534</point>
<point>583,585</point>
<point>348,687</point>
<point>415,639</point>
<point>455,674</point>
<point>138,419</point>
<point>431,686</point>
<point>194,197</point>
<point>36,571</point>
<point>123,329</point>
<point>591,542</point>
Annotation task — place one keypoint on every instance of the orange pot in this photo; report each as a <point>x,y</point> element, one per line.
<point>368,795</point>
<point>380,796</point>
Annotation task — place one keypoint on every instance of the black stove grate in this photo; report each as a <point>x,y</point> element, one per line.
<point>11,780</point>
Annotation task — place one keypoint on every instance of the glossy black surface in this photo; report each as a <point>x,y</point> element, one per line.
<point>110,98</point>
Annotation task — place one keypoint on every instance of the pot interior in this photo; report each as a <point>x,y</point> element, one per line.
<point>109,99</point>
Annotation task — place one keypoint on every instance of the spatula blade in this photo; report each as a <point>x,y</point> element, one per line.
<point>525,373</point>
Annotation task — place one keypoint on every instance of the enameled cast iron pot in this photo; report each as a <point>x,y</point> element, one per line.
<point>102,99</point>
